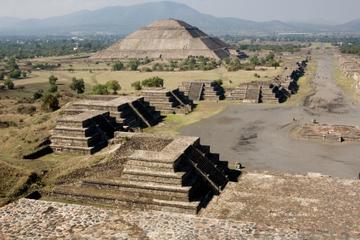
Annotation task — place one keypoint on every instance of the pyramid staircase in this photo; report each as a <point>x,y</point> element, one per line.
<point>182,177</point>
<point>268,96</point>
<point>202,90</point>
<point>168,101</point>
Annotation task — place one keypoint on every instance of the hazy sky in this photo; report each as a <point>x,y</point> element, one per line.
<point>330,11</point>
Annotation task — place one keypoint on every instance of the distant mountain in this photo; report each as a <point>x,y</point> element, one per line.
<point>125,19</point>
<point>6,22</point>
<point>352,26</point>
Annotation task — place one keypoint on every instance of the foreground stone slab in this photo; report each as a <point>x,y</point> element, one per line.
<point>30,219</point>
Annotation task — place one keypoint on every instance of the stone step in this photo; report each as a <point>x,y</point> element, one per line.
<point>128,200</point>
<point>146,189</point>
<point>75,132</point>
<point>153,167</point>
<point>150,165</point>
<point>73,149</point>
<point>153,176</point>
<point>62,140</point>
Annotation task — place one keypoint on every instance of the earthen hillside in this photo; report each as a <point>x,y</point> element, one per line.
<point>167,39</point>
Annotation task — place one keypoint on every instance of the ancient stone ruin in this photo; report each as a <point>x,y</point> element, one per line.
<point>150,172</point>
<point>202,90</point>
<point>168,101</point>
<point>277,90</point>
<point>84,133</point>
<point>166,39</point>
<point>327,133</point>
<point>129,112</point>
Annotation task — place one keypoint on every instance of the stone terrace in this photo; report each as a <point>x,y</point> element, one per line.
<point>84,133</point>
<point>152,172</point>
<point>129,112</point>
<point>168,101</point>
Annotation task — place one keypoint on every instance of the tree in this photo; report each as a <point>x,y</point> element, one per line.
<point>255,60</point>
<point>50,102</point>
<point>53,80</point>
<point>276,64</point>
<point>153,82</point>
<point>9,84</point>
<point>118,66</point>
<point>53,88</point>
<point>113,85</point>
<point>16,74</point>
<point>133,65</point>
<point>136,85</point>
<point>78,85</point>
<point>100,89</point>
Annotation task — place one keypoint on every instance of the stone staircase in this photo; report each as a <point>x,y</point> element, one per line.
<point>182,177</point>
<point>252,94</point>
<point>168,101</point>
<point>267,96</point>
<point>84,133</point>
<point>202,90</point>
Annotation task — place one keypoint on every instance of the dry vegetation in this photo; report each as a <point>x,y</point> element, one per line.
<point>101,73</point>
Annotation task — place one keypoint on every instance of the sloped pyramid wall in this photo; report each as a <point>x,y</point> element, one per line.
<point>167,39</point>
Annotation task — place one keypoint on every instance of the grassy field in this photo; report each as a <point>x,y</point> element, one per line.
<point>126,78</point>
<point>346,84</point>
<point>172,123</point>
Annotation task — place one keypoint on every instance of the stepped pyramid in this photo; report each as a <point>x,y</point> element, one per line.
<point>150,172</point>
<point>167,39</point>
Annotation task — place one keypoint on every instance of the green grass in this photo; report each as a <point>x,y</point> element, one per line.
<point>173,123</point>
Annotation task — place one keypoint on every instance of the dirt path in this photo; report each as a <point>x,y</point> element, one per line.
<point>257,136</point>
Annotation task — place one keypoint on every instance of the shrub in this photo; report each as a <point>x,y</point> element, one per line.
<point>16,74</point>
<point>133,65</point>
<point>136,85</point>
<point>2,75</point>
<point>219,81</point>
<point>9,84</point>
<point>153,82</point>
<point>100,89</point>
<point>113,85</point>
<point>53,80</point>
<point>50,102</point>
<point>38,94</point>
<point>78,85</point>
<point>53,88</point>
<point>118,66</point>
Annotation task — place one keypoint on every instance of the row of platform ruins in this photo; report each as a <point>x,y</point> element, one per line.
<point>149,171</point>
<point>88,124</point>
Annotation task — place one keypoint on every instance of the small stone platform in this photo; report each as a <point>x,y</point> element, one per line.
<point>327,133</point>
<point>84,133</point>
<point>202,90</point>
<point>129,112</point>
<point>152,172</point>
<point>168,101</point>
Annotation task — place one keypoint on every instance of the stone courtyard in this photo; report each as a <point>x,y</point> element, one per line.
<point>261,206</point>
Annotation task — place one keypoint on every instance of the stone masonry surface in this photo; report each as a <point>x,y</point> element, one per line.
<point>260,206</point>
<point>30,219</point>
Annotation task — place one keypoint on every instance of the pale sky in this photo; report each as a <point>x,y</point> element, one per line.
<point>329,11</point>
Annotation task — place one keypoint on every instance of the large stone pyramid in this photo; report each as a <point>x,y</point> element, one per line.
<point>167,39</point>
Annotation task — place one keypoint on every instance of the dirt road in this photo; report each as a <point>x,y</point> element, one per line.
<point>257,136</point>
